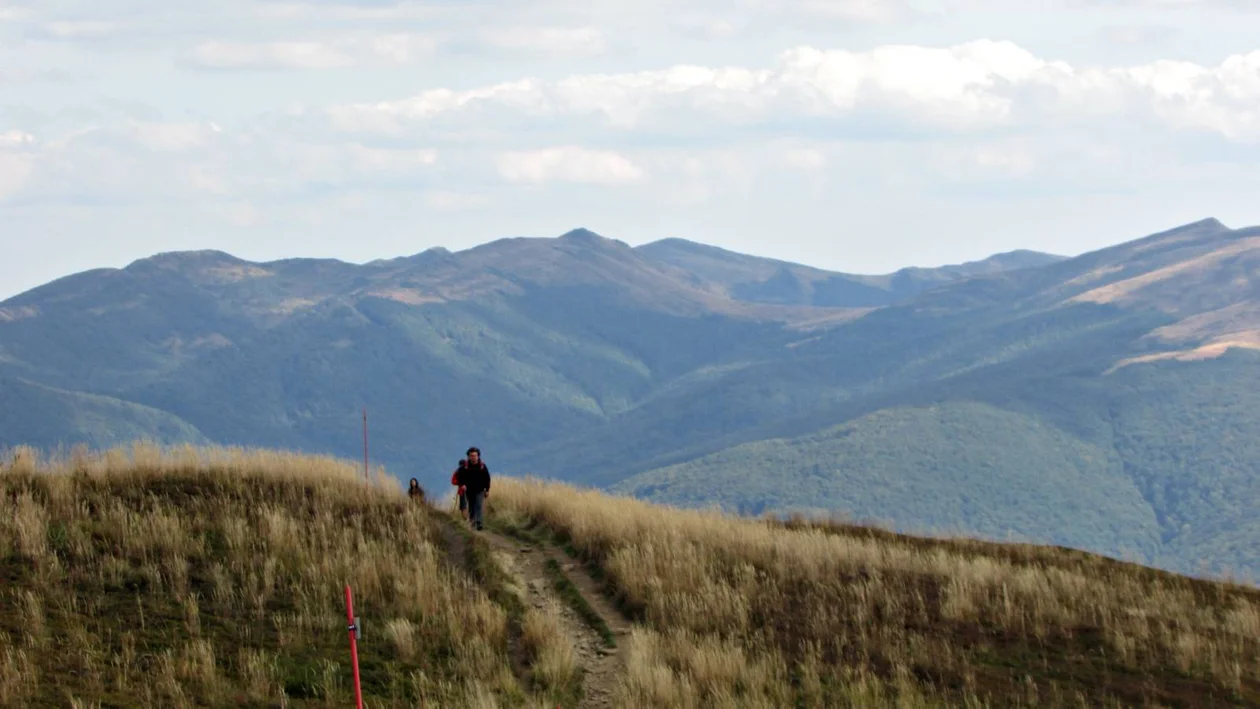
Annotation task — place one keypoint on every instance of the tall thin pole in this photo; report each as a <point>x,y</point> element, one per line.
<point>353,627</point>
<point>365,446</point>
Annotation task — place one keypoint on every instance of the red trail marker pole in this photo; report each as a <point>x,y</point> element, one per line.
<point>353,626</point>
<point>365,446</point>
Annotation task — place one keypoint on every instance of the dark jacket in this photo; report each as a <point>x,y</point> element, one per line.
<point>475,479</point>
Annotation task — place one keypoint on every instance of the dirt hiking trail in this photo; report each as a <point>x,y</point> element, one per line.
<point>601,665</point>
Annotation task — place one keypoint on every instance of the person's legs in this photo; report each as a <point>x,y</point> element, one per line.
<point>463,505</point>
<point>476,503</point>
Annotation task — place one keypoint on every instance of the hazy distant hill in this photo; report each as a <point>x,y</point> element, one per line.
<point>762,280</point>
<point>1100,401</point>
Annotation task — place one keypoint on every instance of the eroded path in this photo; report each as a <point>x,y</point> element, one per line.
<point>536,566</point>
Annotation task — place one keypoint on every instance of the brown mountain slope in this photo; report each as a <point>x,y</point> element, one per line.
<point>1201,281</point>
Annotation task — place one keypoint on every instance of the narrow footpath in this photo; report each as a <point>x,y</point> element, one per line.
<point>601,665</point>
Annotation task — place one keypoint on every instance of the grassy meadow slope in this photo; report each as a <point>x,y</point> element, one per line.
<point>203,577</point>
<point>214,578</point>
<point>759,613</point>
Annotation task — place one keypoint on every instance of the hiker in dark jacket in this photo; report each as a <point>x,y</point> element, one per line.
<point>476,481</point>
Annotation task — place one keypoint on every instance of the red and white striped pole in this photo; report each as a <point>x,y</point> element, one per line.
<point>352,625</point>
<point>365,446</point>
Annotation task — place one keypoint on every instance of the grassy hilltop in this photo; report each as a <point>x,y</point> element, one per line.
<point>216,577</point>
<point>196,577</point>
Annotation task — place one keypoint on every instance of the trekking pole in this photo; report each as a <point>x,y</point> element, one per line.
<point>352,624</point>
<point>365,446</point>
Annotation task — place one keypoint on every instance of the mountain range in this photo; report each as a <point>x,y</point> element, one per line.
<point>1104,402</point>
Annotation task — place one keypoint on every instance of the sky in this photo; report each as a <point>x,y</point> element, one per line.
<point>855,135</point>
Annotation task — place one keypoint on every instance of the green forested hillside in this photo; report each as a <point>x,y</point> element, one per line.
<point>40,415</point>
<point>1007,475</point>
<point>1156,463</point>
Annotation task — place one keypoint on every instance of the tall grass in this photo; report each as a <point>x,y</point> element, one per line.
<point>741,612</point>
<point>193,577</point>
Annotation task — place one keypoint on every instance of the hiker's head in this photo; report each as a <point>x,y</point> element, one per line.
<point>463,462</point>
<point>414,483</point>
<point>474,455</point>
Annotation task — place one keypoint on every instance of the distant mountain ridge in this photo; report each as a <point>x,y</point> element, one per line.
<point>1102,401</point>
<point>764,280</point>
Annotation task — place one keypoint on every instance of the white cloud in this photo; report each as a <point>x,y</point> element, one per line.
<point>16,139</point>
<point>1176,4</point>
<point>1137,35</point>
<point>173,163</point>
<point>568,164</point>
<point>16,161</point>
<point>852,10</point>
<point>968,88</point>
<point>15,170</point>
<point>448,200</point>
<point>1224,99</point>
<point>83,29</point>
<point>12,14</point>
<point>1005,161</point>
<point>806,158</point>
<point>386,12</point>
<point>336,53</point>
<point>547,40</point>
<point>172,137</point>
<point>980,111</point>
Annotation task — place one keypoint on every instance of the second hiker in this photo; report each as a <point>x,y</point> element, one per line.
<point>459,493</point>
<point>414,491</point>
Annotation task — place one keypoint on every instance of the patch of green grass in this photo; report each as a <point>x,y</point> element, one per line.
<point>572,596</point>
<point>532,534</point>
<point>537,533</point>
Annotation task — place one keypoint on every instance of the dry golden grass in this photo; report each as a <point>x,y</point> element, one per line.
<point>215,578</point>
<point>757,613</point>
<point>547,646</point>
